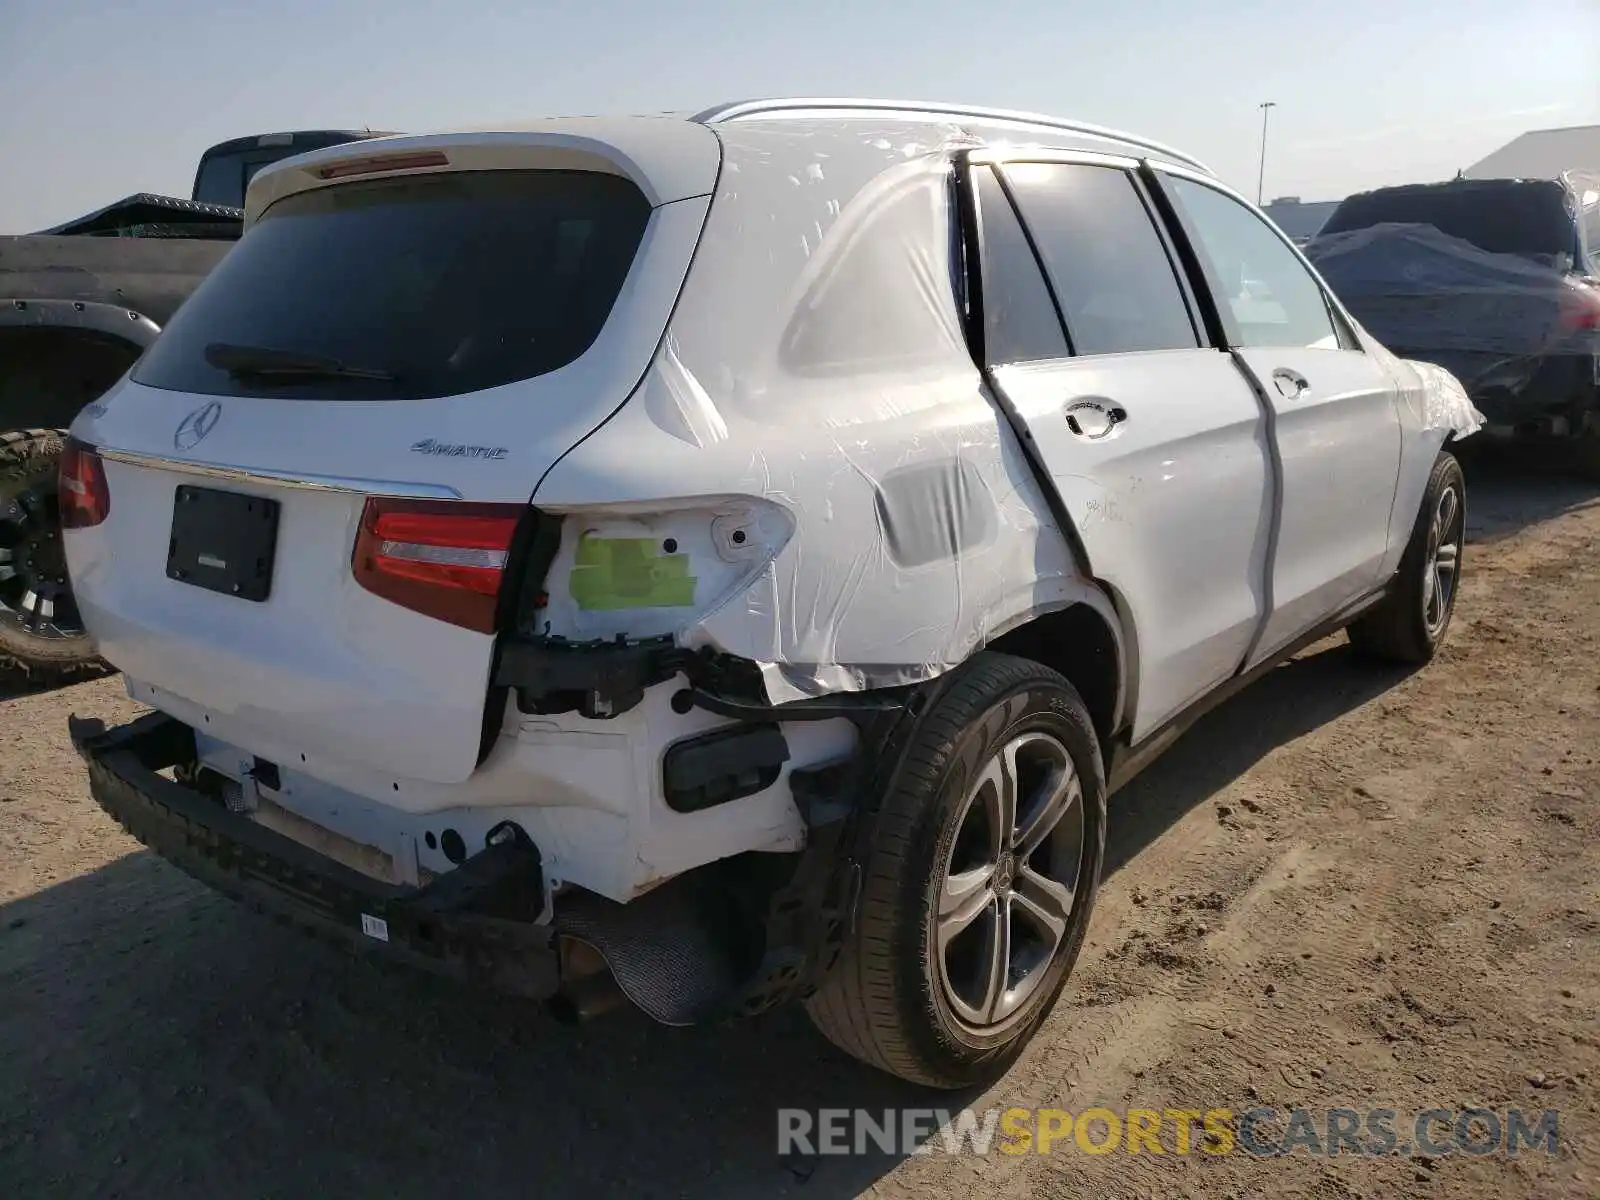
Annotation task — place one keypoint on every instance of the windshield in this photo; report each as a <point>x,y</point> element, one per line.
<point>221,180</point>
<point>1501,218</point>
<point>432,286</point>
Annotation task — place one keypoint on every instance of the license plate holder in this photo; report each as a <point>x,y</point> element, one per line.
<point>223,541</point>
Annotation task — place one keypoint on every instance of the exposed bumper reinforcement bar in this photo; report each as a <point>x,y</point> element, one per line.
<point>473,923</point>
<point>602,679</point>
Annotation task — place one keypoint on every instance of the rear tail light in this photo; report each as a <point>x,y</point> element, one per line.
<point>1580,307</point>
<point>443,558</point>
<point>85,499</point>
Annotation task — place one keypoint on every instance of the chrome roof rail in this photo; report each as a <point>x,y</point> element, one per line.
<point>754,108</point>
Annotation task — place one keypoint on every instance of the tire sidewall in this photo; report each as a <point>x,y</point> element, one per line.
<point>1043,704</point>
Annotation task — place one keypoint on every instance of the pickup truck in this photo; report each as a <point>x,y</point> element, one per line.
<point>79,303</point>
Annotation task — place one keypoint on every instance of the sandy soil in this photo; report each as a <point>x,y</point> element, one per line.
<point>1342,889</point>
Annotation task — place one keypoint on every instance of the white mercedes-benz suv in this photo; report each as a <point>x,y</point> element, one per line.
<point>717,560</point>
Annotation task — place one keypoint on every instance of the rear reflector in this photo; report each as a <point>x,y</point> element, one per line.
<point>85,500</point>
<point>382,162</point>
<point>443,558</point>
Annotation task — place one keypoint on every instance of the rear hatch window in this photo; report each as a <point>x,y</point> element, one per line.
<point>408,288</point>
<point>1528,218</point>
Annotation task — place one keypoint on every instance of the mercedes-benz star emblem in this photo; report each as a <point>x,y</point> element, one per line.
<point>192,429</point>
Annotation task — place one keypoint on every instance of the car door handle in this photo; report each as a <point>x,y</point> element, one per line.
<point>1094,417</point>
<point>1291,385</point>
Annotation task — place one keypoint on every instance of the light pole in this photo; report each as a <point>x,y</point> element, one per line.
<point>1261,178</point>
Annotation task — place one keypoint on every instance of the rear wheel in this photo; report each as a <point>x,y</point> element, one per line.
<point>985,861</point>
<point>1409,624</point>
<point>41,633</point>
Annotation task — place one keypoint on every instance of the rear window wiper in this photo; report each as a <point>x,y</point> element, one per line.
<point>263,362</point>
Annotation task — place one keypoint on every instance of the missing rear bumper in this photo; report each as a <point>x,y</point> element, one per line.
<point>714,943</point>
<point>475,923</point>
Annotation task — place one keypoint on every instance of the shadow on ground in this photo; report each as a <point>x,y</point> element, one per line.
<point>1512,486</point>
<point>1301,695</point>
<point>17,685</point>
<point>158,1041</point>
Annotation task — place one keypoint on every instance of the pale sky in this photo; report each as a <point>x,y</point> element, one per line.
<point>102,99</point>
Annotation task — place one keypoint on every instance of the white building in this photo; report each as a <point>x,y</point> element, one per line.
<point>1300,219</point>
<point>1542,154</point>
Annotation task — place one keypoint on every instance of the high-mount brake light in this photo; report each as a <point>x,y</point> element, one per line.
<point>375,163</point>
<point>85,500</point>
<point>445,559</point>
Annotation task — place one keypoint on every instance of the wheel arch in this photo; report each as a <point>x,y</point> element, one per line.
<point>1087,637</point>
<point>58,355</point>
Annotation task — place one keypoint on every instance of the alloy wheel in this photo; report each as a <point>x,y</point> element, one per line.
<point>35,594</point>
<point>1010,881</point>
<point>1441,563</point>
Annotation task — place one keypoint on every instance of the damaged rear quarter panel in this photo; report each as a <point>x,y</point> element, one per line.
<point>816,360</point>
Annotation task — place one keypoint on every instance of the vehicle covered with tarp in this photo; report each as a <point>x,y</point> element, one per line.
<point>1498,281</point>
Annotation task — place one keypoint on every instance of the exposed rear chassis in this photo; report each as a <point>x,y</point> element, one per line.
<point>455,926</point>
<point>479,922</point>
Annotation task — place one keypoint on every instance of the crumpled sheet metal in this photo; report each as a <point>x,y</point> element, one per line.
<point>823,367</point>
<point>1434,398</point>
<point>1492,317</point>
<point>1445,403</point>
<point>1585,184</point>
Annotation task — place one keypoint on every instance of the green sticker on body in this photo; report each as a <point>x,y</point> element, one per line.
<point>620,573</point>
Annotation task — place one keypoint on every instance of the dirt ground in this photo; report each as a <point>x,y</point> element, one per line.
<point>1344,888</point>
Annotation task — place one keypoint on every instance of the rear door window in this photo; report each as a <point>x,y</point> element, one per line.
<point>1111,273</point>
<point>1267,296</point>
<point>423,286</point>
<point>1019,317</point>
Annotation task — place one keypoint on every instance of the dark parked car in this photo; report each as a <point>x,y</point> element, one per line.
<point>1497,280</point>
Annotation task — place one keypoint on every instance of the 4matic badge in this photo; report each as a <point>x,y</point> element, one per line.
<point>456,450</point>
